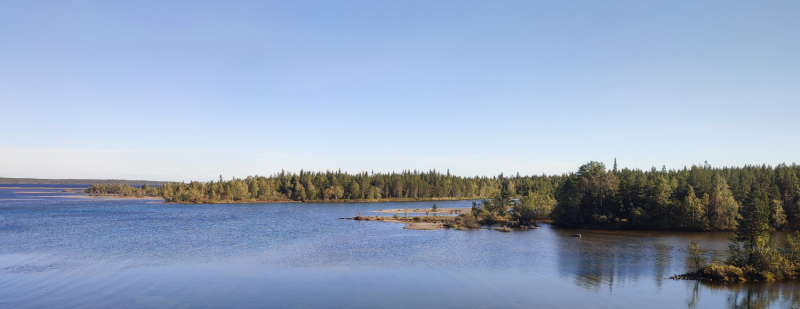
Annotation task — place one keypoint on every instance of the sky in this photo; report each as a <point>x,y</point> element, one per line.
<point>191,90</point>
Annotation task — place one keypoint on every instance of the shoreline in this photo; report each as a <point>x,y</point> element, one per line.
<point>421,226</point>
<point>435,222</point>
<point>110,197</point>
<point>41,188</point>
<point>410,224</point>
<point>396,200</point>
<point>704,277</point>
<point>443,211</point>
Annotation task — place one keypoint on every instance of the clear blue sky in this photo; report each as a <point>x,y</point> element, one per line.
<point>182,90</point>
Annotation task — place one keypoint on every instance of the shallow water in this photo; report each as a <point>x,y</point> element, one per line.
<point>58,252</point>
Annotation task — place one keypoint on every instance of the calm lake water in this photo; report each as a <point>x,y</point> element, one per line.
<point>61,252</point>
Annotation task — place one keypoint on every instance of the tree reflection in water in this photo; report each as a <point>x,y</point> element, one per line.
<point>595,260</point>
<point>623,258</point>
<point>608,258</point>
<point>754,295</point>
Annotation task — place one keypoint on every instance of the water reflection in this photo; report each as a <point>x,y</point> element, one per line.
<point>753,295</point>
<point>300,255</point>
<point>599,258</point>
<point>603,260</point>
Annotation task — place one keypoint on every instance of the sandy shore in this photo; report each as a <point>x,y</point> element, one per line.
<point>443,211</point>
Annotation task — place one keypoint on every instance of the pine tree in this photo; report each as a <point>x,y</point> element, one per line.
<point>753,225</point>
<point>723,210</point>
<point>694,210</point>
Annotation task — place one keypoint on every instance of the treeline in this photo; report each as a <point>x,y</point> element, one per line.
<point>696,198</point>
<point>122,189</point>
<point>753,254</point>
<point>339,186</point>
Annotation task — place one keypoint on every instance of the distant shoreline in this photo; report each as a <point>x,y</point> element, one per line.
<point>439,210</point>
<point>112,196</point>
<point>400,200</point>
<point>87,182</point>
<point>281,201</point>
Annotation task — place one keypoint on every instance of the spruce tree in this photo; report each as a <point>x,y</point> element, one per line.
<point>753,223</point>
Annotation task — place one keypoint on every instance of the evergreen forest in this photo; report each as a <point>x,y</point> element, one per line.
<point>700,197</point>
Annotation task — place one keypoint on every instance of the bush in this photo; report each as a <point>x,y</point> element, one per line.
<point>463,221</point>
<point>724,272</point>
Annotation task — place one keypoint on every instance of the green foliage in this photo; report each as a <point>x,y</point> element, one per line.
<point>724,272</point>
<point>695,211</point>
<point>539,203</point>
<point>525,212</point>
<point>434,208</point>
<point>493,209</point>
<point>723,210</point>
<point>532,207</point>
<point>694,253</point>
<point>121,189</point>
<point>696,198</point>
<point>777,216</point>
<point>339,186</point>
<point>587,198</point>
<point>752,248</point>
<point>752,241</point>
<point>496,205</point>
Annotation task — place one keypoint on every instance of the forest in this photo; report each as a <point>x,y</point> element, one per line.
<point>700,197</point>
<point>696,198</point>
<point>339,186</point>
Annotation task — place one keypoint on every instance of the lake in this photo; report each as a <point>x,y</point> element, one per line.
<point>57,251</point>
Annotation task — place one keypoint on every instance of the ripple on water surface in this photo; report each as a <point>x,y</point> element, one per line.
<point>77,253</point>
